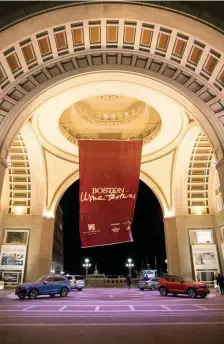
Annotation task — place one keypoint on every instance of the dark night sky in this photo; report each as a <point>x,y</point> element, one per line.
<point>148,235</point>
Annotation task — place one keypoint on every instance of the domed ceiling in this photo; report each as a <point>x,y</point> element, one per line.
<point>110,117</point>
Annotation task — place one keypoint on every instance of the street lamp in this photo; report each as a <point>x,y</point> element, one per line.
<point>86,265</point>
<point>129,265</point>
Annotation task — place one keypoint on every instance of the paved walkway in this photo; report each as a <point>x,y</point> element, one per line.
<point>116,313</point>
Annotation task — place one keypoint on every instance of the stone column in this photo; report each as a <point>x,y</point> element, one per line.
<point>172,249</point>
<point>46,246</point>
<point>220,170</point>
<point>219,217</point>
<point>39,257</point>
<point>3,167</point>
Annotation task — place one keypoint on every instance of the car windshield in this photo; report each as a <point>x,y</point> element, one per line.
<point>41,279</point>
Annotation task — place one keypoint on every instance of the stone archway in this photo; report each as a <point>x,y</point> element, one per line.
<point>35,66</point>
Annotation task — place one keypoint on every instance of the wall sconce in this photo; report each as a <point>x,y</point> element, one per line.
<point>169,213</point>
<point>48,214</point>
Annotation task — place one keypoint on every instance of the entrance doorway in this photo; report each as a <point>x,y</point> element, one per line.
<point>146,251</point>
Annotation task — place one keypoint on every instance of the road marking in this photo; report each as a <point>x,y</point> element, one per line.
<point>107,315</point>
<point>62,308</point>
<point>132,308</point>
<point>167,308</point>
<point>97,308</point>
<point>198,323</point>
<point>27,308</point>
<point>204,309</point>
<point>115,311</point>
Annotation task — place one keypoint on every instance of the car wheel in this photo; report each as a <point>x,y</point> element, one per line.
<point>33,294</point>
<point>21,297</point>
<point>152,287</point>
<point>163,291</point>
<point>64,292</point>
<point>141,289</point>
<point>192,293</point>
<point>79,289</point>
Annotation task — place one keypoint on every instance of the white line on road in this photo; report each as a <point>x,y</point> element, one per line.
<point>204,309</point>
<point>132,308</point>
<point>167,308</point>
<point>27,308</point>
<point>62,308</point>
<point>198,323</point>
<point>97,308</point>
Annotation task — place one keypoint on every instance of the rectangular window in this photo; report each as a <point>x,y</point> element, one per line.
<point>44,45</point>
<point>179,47</point>
<point>146,37</point>
<point>163,41</point>
<point>129,34</point>
<point>13,62</point>
<point>195,55</point>
<point>94,34</point>
<point>201,236</point>
<point>16,237</point>
<point>221,77</point>
<point>210,64</point>
<point>112,34</point>
<point>28,53</point>
<point>78,37</point>
<point>2,74</point>
<point>61,40</point>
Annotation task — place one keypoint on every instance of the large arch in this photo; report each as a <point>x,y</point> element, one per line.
<point>150,48</point>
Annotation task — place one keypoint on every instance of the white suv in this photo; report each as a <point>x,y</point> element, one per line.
<point>76,282</point>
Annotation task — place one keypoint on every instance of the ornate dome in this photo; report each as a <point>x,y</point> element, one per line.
<point>110,117</point>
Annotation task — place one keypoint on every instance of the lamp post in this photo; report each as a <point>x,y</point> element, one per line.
<point>86,265</point>
<point>129,265</point>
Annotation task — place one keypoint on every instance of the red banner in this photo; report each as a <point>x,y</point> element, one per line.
<point>109,178</point>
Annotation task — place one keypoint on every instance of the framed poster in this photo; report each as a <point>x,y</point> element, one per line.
<point>12,263</point>
<point>205,261</point>
<point>12,258</point>
<point>205,256</point>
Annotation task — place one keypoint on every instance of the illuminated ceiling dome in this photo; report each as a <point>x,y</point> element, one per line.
<point>110,117</point>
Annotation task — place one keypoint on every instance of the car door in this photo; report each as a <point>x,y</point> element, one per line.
<point>177,285</point>
<point>172,284</point>
<point>45,287</point>
<point>57,284</point>
<point>154,281</point>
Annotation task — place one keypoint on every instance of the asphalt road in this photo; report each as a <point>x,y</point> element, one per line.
<point>112,316</point>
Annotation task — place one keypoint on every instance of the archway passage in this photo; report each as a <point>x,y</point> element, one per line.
<point>148,235</point>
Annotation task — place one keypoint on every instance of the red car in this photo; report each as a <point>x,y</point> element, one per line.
<point>182,285</point>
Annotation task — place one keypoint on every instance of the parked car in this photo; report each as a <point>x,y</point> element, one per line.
<point>77,282</point>
<point>148,283</point>
<point>182,285</point>
<point>46,285</point>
